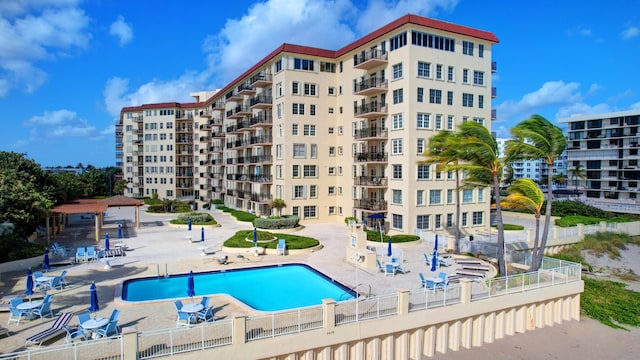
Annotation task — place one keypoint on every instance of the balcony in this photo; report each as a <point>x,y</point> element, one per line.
<point>261,197</point>
<point>494,92</point>
<point>182,115</point>
<point>260,140</point>
<point>494,114</point>
<point>184,129</point>
<point>370,181</point>
<point>261,80</point>
<point>378,157</point>
<point>494,67</point>
<point>238,112</point>
<point>367,60</point>
<point>370,87</point>
<point>184,140</point>
<point>233,96</point>
<point>260,159</point>
<point>261,119</point>
<point>137,118</point>
<point>261,102</point>
<point>246,89</point>
<point>370,204</point>
<point>371,110</point>
<point>372,133</point>
<point>206,113</point>
<point>218,105</point>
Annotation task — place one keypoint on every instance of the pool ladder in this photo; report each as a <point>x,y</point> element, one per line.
<point>166,271</point>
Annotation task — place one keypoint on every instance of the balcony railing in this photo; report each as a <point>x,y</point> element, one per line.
<point>370,157</point>
<point>370,204</point>
<point>372,132</point>
<point>261,79</point>
<point>261,102</point>
<point>369,59</point>
<point>370,181</point>
<point>371,110</point>
<point>371,86</point>
<point>262,118</point>
<point>261,197</point>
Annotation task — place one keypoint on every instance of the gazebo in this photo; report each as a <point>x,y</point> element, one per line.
<point>97,207</point>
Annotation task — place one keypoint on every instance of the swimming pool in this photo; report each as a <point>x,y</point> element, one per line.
<point>265,288</point>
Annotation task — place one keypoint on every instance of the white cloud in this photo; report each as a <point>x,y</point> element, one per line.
<point>381,12</point>
<point>35,31</point>
<point>582,109</point>
<point>551,93</point>
<point>630,32</point>
<point>52,126</point>
<point>121,30</point>
<point>635,106</point>
<point>579,31</point>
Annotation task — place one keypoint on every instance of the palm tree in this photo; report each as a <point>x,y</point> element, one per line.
<point>537,138</point>
<point>560,179</point>
<point>578,172</point>
<point>525,194</point>
<point>483,167</point>
<point>278,204</point>
<point>445,150</point>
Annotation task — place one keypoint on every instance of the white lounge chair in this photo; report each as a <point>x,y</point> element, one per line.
<point>281,248</point>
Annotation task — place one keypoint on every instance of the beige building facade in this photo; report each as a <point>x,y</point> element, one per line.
<point>333,133</point>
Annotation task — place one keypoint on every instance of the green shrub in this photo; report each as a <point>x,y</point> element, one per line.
<point>373,235</point>
<point>293,241</point>
<point>217,202</point>
<point>350,218</point>
<point>196,219</point>
<point>155,209</point>
<point>510,227</point>
<point>149,201</point>
<point>277,222</point>
<point>243,216</point>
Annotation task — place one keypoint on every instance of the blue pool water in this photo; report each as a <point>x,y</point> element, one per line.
<point>268,288</point>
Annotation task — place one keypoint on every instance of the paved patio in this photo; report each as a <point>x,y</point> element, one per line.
<point>156,246</point>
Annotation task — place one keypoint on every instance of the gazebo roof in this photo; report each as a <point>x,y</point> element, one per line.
<point>120,200</point>
<point>82,206</point>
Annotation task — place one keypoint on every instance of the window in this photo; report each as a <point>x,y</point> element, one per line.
<point>310,89</point>
<point>397,122</point>
<point>438,221</point>
<point>295,88</point>
<point>312,110</point>
<point>450,73</point>
<point>332,210</point>
<point>396,221</point>
<point>278,65</point>
<point>420,146</point>
<point>464,218</point>
<point>449,220</point>
<point>298,192</point>
<point>332,151</point>
<point>332,170</point>
<point>397,171</point>
<point>309,171</point>
<point>309,130</point>
<point>435,96</point>
<point>397,197</point>
<point>477,218</point>
<point>423,121</point>
<point>295,171</point>
<point>279,90</point>
<point>299,150</point>
<point>313,191</point>
<point>433,41</point>
<point>450,119</point>
<point>420,94</point>
<point>331,90</point>
<point>467,196</point>
<point>439,72</point>
<point>332,190</point>
<point>397,71</point>
<point>310,211</point>
<point>420,197</point>
<point>480,195</point>
<point>327,67</point>
<point>424,69</point>
<point>397,96</point>
<point>481,50</point>
<point>294,129</point>
<point>467,100</point>
<point>465,76</point>
<point>449,196</point>
<point>467,48</point>
<point>449,97</point>
<point>481,101</point>
<point>438,122</point>
<point>398,41</point>
<point>423,172</point>
<point>396,146</point>
<point>331,130</point>
<point>435,197</point>
<point>298,109</point>
<point>303,64</point>
<point>422,222</point>
<point>478,78</point>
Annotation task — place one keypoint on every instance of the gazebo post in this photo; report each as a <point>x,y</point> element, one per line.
<point>137,217</point>
<point>98,220</point>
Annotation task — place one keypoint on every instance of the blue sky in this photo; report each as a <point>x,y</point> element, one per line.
<point>67,67</point>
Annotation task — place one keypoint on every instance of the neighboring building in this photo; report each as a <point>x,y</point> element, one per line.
<point>534,169</point>
<point>67,169</point>
<point>606,147</point>
<point>332,133</point>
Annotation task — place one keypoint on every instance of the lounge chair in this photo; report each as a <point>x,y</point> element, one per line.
<point>380,267</point>
<point>427,259</point>
<point>443,262</point>
<point>58,250</point>
<point>45,308</point>
<point>55,330</point>
<point>281,248</point>
<point>92,254</point>
<point>81,254</point>
<point>16,314</point>
<point>63,276</point>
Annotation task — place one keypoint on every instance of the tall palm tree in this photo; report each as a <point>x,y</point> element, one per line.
<point>577,172</point>
<point>483,167</point>
<point>525,194</point>
<point>537,138</point>
<point>445,150</point>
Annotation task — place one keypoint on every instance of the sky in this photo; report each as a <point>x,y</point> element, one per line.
<point>67,67</point>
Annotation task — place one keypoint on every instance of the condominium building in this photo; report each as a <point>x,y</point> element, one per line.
<point>333,133</point>
<point>534,169</point>
<point>605,146</point>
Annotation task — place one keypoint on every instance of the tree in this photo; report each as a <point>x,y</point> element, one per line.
<point>578,172</point>
<point>483,167</point>
<point>560,179</point>
<point>445,150</point>
<point>278,204</point>
<point>525,194</point>
<point>537,138</point>
<point>94,182</point>
<point>119,187</point>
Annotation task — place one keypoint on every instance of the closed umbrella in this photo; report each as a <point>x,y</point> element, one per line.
<point>119,231</point>
<point>106,242</point>
<point>435,244</point>
<point>189,225</point>
<point>29,289</point>
<point>191,287</point>
<point>255,237</point>
<point>93,296</point>
<point>389,252</point>
<point>202,235</point>
<point>434,261</point>
<point>45,264</point>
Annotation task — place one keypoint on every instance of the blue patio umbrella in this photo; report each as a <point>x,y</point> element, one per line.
<point>29,289</point>
<point>202,235</point>
<point>191,287</point>
<point>389,252</point>
<point>93,297</point>
<point>255,237</point>
<point>119,231</point>
<point>434,261</point>
<point>189,225</point>
<point>45,264</point>
<point>106,242</point>
<point>435,244</point>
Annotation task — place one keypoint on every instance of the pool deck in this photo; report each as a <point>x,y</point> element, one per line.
<point>156,246</point>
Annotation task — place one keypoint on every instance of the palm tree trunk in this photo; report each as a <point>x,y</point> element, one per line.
<point>502,266</point>
<point>539,251</point>
<point>456,248</point>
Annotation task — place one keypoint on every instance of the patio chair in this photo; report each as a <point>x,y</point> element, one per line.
<point>75,332</point>
<point>206,314</point>
<point>111,327</point>
<point>445,280</point>
<point>83,317</point>
<point>58,250</point>
<point>45,308</point>
<point>63,282</point>
<point>427,259</point>
<point>443,262</point>
<point>389,269</point>
<point>92,254</point>
<point>184,319</point>
<point>16,314</point>
<point>55,330</point>
<point>81,254</point>
<point>281,248</point>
